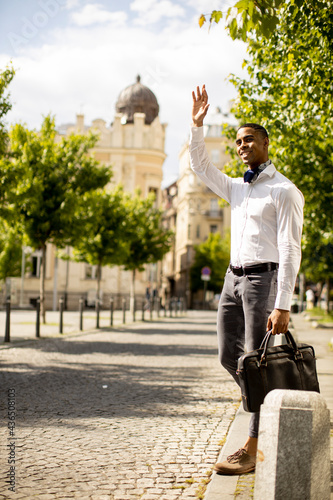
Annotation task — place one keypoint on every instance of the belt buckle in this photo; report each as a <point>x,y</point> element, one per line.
<point>238,270</point>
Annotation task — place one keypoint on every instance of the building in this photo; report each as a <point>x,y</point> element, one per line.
<point>170,209</point>
<point>194,210</point>
<point>133,144</point>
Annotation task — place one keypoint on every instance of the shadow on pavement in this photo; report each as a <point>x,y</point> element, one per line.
<point>83,379</point>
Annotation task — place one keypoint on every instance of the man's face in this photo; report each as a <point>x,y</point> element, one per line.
<point>252,147</point>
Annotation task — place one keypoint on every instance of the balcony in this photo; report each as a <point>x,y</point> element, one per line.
<point>213,214</point>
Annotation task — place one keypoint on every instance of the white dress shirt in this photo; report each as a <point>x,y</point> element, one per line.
<point>266,217</point>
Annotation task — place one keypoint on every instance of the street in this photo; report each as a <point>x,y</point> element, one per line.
<point>137,411</point>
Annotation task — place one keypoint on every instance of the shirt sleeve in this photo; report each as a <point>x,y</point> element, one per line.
<point>216,180</point>
<point>289,232</point>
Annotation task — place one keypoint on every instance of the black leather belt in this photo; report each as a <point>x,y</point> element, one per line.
<point>257,268</point>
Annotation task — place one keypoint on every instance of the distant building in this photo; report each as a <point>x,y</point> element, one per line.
<point>134,145</point>
<point>170,211</point>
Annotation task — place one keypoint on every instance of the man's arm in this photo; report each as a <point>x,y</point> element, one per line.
<point>200,162</point>
<point>200,106</point>
<point>289,231</point>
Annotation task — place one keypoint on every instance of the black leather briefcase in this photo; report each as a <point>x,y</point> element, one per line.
<point>287,366</point>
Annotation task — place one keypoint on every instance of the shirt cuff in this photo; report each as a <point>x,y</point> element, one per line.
<point>283,300</point>
<point>196,134</point>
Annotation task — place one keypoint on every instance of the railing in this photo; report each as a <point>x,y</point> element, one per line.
<point>150,310</point>
<point>213,213</point>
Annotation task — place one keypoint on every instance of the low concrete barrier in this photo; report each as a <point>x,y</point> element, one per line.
<point>293,460</point>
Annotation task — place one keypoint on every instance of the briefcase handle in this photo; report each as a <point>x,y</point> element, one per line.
<point>290,339</point>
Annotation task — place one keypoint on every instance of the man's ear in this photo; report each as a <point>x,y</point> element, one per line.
<point>266,142</point>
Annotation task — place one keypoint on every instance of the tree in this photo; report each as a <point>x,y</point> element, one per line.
<point>46,179</point>
<point>148,240</point>
<point>10,237</point>
<point>6,179</point>
<point>289,91</point>
<point>215,254</point>
<point>10,251</point>
<point>103,240</point>
<point>6,77</point>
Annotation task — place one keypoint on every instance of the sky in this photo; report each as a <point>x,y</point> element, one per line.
<point>76,56</point>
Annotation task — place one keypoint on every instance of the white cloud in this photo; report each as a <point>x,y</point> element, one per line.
<point>207,6</point>
<point>152,11</point>
<point>70,4</point>
<point>95,14</point>
<point>84,68</point>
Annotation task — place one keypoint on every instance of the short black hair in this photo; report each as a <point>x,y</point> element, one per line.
<point>255,126</point>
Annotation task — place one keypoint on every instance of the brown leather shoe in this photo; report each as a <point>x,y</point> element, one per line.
<point>238,463</point>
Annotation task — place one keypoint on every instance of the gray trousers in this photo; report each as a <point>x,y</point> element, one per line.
<point>244,307</point>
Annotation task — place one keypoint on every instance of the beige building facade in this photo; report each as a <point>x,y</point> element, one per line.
<point>134,146</point>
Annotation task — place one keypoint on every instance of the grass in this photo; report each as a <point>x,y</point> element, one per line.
<point>200,492</point>
<point>222,442</point>
<point>245,487</point>
<point>317,312</point>
<point>189,481</point>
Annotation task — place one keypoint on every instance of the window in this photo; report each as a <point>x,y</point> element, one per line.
<point>151,273</point>
<point>189,231</point>
<point>91,272</point>
<point>213,228</point>
<point>198,231</point>
<point>36,260</point>
<point>214,204</point>
<point>215,155</point>
<point>214,207</point>
<point>155,191</point>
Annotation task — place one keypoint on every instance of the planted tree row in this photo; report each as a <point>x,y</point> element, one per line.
<point>53,191</point>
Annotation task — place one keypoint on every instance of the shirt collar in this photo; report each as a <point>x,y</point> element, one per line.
<point>261,168</point>
<point>269,170</point>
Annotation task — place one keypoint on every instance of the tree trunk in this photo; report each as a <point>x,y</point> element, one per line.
<point>67,279</point>
<point>132,292</point>
<point>99,274</point>
<point>42,285</point>
<point>327,295</point>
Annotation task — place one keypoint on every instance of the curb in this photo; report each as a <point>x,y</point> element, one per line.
<point>224,487</point>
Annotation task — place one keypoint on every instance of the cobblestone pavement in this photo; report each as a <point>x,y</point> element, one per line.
<point>135,412</point>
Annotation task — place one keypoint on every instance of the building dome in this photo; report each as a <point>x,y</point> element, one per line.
<point>137,99</point>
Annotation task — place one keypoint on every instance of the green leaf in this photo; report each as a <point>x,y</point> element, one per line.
<point>242,5</point>
<point>216,16</point>
<point>233,28</point>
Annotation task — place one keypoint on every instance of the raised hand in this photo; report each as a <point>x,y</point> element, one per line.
<point>200,106</point>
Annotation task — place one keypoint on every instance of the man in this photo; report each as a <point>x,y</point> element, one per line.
<point>266,228</point>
